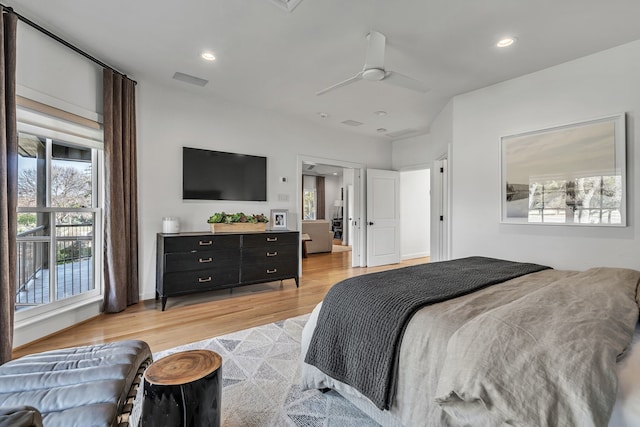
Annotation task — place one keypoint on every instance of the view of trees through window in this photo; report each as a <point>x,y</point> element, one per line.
<point>309,204</point>
<point>56,212</point>
<point>587,200</point>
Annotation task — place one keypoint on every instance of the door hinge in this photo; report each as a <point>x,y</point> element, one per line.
<point>441,217</point>
<point>441,170</point>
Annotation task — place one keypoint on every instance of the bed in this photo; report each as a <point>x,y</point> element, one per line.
<point>547,347</point>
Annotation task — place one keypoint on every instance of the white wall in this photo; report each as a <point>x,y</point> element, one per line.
<point>604,83</point>
<point>169,118</point>
<point>332,193</point>
<point>415,211</point>
<point>420,152</point>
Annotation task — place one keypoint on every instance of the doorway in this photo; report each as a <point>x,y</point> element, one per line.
<point>348,206</point>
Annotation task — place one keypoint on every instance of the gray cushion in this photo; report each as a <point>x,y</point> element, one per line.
<point>23,416</point>
<point>83,386</point>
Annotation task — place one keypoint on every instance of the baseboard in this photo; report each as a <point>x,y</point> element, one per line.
<point>415,255</point>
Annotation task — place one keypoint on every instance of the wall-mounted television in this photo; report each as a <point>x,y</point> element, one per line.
<point>217,175</point>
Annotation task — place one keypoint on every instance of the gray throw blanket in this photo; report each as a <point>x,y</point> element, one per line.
<point>362,319</point>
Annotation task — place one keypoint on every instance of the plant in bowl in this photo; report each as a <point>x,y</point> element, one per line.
<point>225,218</point>
<point>224,222</point>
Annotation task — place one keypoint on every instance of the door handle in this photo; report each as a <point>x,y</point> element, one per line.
<point>275,270</point>
<point>272,253</point>
<point>202,260</point>
<point>209,243</point>
<point>370,223</point>
<point>203,280</point>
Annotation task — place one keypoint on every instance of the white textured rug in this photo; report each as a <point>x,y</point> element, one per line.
<point>261,381</point>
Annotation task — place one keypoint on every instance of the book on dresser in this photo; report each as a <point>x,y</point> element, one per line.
<point>198,262</point>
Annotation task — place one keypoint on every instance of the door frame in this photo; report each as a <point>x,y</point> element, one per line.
<point>359,244</point>
<point>441,206</point>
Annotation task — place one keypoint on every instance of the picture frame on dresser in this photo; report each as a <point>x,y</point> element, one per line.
<point>278,219</point>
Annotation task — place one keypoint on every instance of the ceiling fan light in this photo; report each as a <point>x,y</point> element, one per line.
<point>374,74</point>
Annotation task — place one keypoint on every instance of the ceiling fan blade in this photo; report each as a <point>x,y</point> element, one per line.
<point>344,83</point>
<point>375,51</point>
<point>406,82</point>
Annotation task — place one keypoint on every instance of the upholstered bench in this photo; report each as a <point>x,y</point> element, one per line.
<point>81,386</point>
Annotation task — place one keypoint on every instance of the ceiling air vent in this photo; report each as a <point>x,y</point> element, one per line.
<point>351,123</point>
<point>287,5</point>
<point>190,79</point>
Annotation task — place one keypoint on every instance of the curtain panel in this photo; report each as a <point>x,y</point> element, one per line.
<point>8,183</point>
<point>121,197</point>
<point>320,196</point>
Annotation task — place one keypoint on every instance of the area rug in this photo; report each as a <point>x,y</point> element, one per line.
<point>261,381</point>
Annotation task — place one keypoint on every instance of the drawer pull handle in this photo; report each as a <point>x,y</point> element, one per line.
<point>202,280</point>
<point>209,243</point>
<point>275,270</point>
<point>275,253</point>
<point>272,239</point>
<point>205,260</point>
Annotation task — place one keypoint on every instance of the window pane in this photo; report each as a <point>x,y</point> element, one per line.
<point>74,253</point>
<point>32,178</point>
<point>70,176</point>
<point>31,224</point>
<point>33,274</point>
<point>309,204</point>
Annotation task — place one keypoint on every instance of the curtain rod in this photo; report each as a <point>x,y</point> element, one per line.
<point>61,40</point>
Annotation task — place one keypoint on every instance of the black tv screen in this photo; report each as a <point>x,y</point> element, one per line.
<point>216,175</point>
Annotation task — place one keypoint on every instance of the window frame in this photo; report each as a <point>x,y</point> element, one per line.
<point>59,125</point>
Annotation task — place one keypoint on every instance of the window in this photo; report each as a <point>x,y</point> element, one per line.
<point>59,216</point>
<point>309,204</point>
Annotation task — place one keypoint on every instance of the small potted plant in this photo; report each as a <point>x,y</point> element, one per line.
<point>221,222</point>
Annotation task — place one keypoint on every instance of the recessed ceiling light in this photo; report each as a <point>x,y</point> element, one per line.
<point>505,42</point>
<point>208,56</point>
<point>323,115</point>
<point>380,113</point>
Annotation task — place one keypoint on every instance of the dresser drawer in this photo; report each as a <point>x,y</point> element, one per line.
<point>269,271</point>
<point>269,239</point>
<point>190,281</point>
<point>201,243</point>
<point>186,261</point>
<point>269,254</point>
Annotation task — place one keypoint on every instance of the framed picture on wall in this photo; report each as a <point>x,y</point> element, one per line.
<point>279,219</point>
<point>572,174</point>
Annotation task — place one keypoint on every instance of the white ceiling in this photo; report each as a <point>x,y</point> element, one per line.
<point>273,59</point>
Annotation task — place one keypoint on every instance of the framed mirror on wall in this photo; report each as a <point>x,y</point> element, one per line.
<point>571,175</point>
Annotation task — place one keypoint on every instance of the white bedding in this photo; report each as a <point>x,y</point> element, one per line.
<point>415,405</point>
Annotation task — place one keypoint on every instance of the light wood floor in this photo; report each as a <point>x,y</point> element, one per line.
<point>201,316</point>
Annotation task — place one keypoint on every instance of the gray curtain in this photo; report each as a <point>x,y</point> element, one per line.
<point>121,197</point>
<point>8,183</point>
<point>320,196</point>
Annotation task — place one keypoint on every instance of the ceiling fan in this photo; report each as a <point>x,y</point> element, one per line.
<point>374,68</point>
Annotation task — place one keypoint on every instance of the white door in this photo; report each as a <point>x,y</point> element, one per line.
<point>383,217</point>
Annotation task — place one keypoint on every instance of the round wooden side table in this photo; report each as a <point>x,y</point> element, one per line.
<point>183,389</point>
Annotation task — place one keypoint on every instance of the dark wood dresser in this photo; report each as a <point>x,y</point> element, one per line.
<point>197,262</point>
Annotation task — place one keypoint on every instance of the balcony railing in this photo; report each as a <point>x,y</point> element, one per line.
<point>74,271</point>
